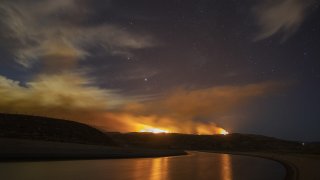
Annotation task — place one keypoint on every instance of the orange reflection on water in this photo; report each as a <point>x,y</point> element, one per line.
<point>226,169</point>
<point>151,169</point>
<point>138,171</point>
<point>159,169</point>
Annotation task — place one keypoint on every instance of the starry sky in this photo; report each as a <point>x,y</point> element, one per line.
<point>249,66</point>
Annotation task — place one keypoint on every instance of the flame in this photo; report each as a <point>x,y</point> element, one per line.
<point>222,131</point>
<point>155,124</point>
<point>154,130</point>
<point>158,130</point>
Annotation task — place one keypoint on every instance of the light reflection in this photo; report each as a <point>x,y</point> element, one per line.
<point>151,169</point>
<point>139,171</point>
<point>226,169</point>
<point>159,169</point>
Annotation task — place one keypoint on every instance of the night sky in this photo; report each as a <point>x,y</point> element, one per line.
<point>249,66</point>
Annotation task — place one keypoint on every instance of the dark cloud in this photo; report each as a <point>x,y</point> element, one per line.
<point>281,16</point>
<point>27,24</point>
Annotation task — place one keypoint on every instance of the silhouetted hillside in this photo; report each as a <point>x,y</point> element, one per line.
<point>50,129</point>
<point>233,142</point>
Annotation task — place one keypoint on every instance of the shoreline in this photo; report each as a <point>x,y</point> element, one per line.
<point>18,150</point>
<point>42,159</point>
<point>292,172</point>
<point>297,166</point>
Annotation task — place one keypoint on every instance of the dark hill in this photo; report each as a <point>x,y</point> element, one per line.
<point>231,142</point>
<point>50,129</point>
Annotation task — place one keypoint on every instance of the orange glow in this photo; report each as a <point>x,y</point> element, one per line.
<point>151,129</point>
<point>222,131</point>
<point>163,124</point>
<point>154,130</point>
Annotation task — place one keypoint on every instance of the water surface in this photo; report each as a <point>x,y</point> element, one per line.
<point>197,165</point>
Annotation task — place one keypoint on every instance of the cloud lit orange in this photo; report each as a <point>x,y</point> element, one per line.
<point>71,96</point>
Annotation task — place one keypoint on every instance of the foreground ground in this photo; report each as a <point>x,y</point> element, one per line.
<point>20,149</point>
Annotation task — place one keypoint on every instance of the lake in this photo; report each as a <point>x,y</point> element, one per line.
<point>197,165</point>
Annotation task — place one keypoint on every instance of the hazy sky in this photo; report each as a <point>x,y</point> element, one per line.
<point>249,66</point>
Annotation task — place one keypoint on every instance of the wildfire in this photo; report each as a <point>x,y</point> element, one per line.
<point>199,129</point>
<point>223,131</point>
<point>154,130</point>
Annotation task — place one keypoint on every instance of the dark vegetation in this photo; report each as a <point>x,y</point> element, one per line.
<point>50,129</point>
<point>231,142</point>
<point>237,142</point>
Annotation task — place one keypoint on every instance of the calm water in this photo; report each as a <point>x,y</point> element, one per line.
<point>195,166</point>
